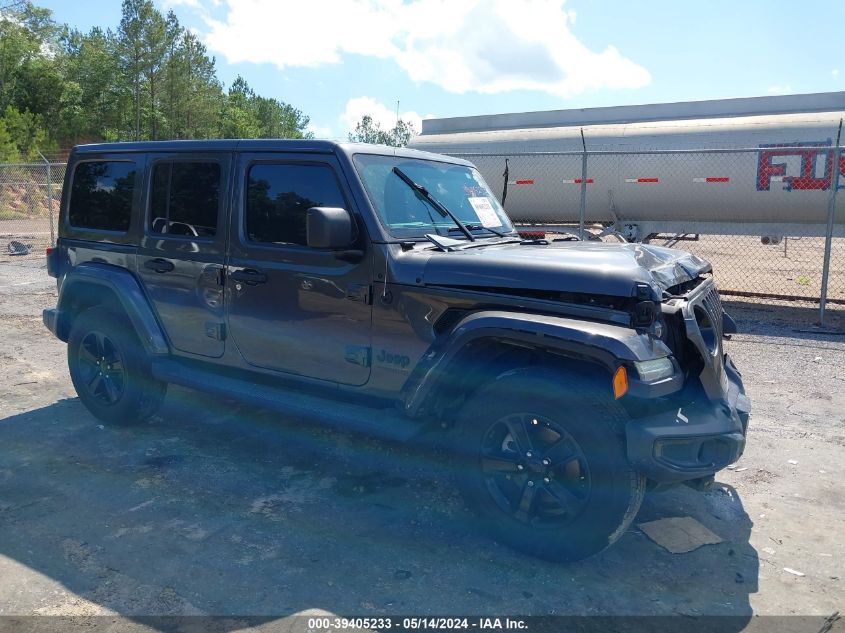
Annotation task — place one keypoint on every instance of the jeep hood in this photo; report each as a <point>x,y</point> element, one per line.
<point>582,267</point>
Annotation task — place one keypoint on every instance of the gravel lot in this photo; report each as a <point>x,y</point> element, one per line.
<point>216,508</point>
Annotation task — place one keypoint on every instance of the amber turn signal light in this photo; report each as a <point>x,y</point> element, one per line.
<point>620,382</point>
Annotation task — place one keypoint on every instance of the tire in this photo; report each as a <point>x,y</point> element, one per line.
<point>110,369</point>
<point>584,494</point>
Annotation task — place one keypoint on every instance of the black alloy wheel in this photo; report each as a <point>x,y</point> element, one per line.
<point>110,368</point>
<point>540,459</point>
<point>102,367</point>
<point>535,470</point>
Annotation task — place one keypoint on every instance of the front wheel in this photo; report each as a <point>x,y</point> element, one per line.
<point>543,465</point>
<point>109,368</point>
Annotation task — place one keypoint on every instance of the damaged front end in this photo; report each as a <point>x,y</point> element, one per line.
<point>693,433</point>
<point>669,268</point>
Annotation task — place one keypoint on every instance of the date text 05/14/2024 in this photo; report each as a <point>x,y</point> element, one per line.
<point>416,623</point>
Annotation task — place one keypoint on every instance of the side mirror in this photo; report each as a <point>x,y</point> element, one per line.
<point>328,227</point>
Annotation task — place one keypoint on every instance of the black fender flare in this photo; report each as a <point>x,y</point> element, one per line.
<point>129,293</point>
<point>604,344</point>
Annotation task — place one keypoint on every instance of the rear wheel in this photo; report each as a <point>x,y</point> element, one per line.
<point>110,368</point>
<point>543,465</point>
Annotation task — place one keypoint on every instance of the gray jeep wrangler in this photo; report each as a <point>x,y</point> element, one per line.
<point>386,291</point>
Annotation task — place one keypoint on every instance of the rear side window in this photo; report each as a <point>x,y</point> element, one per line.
<point>278,198</point>
<point>185,198</point>
<point>101,195</point>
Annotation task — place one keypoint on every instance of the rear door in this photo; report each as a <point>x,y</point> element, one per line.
<point>182,251</point>
<point>292,308</point>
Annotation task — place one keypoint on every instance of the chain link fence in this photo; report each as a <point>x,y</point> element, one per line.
<point>759,215</point>
<point>29,208</point>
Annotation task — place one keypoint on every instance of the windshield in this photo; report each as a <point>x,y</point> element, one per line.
<point>405,213</point>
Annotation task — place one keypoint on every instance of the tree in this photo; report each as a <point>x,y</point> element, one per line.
<point>369,131</point>
<point>402,133</point>
<point>8,149</point>
<point>149,79</point>
<point>155,50</point>
<point>203,103</point>
<point>26,33</point>
<point>143,49</point>
<point>130,39</point>
<point>96,102</point>
<point>172,75</point>
<point>26,131</point>
<point>193,102</point>
<point>247,115</point>
<point>238,119</point>
<point>38,87</point>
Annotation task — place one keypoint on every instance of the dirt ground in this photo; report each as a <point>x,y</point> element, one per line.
<point>217,508</point>
<point>792,268</point>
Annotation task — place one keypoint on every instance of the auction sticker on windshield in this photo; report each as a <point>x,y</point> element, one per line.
<point>485,212</point>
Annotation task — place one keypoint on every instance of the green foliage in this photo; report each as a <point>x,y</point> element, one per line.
<point>247,115</point>
<point>27,34</point>
<point>8,149</point>
<point>26,131</point>
<point>93,101</point>
<point>368,131</point>
<point>150,78</point>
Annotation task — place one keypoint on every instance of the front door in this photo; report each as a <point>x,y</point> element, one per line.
<point>292,308</point>
<point>182,253</point>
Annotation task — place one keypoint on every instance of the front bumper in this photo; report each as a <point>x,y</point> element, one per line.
<point>695,440</point>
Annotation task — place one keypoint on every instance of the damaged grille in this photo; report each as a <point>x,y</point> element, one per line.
<point>713,305</point>
<point>703,321</point>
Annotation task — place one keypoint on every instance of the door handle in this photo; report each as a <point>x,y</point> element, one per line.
<point>249,276</point>
<point>159,265</point>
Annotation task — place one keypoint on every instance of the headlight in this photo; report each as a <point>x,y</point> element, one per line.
<point>654,370</point>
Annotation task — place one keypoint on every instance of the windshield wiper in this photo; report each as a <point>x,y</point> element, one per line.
<point>480,227</point>
<point>423,192</point>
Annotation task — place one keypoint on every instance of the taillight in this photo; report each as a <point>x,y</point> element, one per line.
<point>53,262</point>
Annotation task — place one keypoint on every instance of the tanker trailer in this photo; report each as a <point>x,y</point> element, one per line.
<point>662,168</point>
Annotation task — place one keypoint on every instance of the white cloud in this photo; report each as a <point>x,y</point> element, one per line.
<point>321,131</point>
<point>486,46</point>
<point>302,33</point>
<point>502,46</point>
<point>779,90</point>
<point>834,72</point>
<point>194,4</point>
<point>359,107</point>
<point>201,7</point>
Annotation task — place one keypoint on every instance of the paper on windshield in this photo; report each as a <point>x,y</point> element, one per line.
<point>485,211</point>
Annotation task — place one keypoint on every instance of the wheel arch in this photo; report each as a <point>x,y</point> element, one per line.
<point>485,345</point>
<point>95,284</point>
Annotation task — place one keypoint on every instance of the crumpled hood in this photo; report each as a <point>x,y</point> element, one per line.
<point>597,268</point>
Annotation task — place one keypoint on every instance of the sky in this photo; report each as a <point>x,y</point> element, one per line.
<point>337,60</point>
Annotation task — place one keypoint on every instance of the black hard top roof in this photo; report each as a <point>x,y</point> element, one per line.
<point>262,145</point>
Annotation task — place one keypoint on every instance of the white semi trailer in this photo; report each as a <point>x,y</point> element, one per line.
<point>645,173</point>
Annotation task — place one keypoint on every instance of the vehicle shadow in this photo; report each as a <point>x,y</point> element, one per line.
<point>216,508</point>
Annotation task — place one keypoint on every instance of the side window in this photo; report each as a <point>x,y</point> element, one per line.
<point>101,195</point>
<point>185,198</point>
<point>279,196</point>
